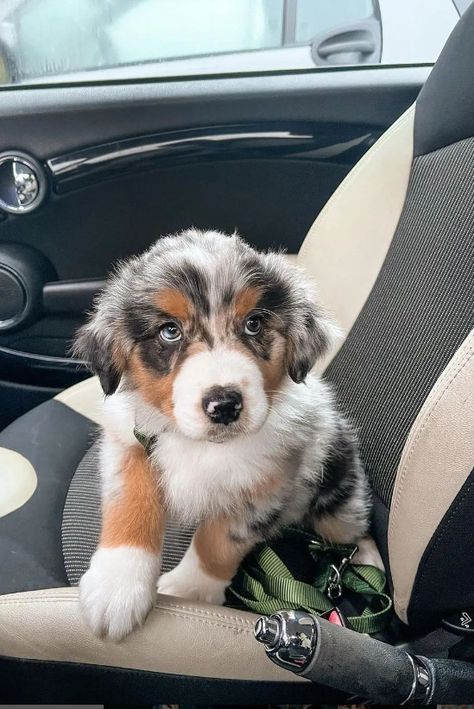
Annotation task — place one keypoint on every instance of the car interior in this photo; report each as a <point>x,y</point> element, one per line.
<point>365,176</point>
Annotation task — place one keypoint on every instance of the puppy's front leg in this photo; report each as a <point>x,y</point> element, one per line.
<point>118,590</point>
<point>209,564</point>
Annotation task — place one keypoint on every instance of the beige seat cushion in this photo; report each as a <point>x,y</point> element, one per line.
<point>346,245</point>
<point>178,637</point>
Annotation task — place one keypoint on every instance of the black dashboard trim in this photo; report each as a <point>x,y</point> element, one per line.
<point>328,142</point>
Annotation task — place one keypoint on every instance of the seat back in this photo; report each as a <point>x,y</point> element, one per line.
<point>393,255</point>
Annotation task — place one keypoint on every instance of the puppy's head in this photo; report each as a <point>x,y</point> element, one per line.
<point>207,330</point>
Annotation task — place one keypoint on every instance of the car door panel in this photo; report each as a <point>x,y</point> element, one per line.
<point>128,162</point>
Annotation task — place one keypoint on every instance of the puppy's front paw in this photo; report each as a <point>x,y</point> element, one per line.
<point>192,583</point>
<point>118,590</point>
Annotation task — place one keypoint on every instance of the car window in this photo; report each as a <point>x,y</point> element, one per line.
<point>166,29</point>
<point>315,17</point>
<point>44,41</point>
<point>462,5</point>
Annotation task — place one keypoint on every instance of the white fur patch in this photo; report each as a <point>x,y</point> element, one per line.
<point>368,554</point>
<point>224,367</point>
<point>119,418</point>
<point>118,591</point>
<point>189,580</point>
<point>202,479</point>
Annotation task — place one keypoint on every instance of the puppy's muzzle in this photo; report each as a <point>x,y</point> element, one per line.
<point>222,405</point>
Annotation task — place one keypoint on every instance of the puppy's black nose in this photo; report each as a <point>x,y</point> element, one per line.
<point>222,405</point>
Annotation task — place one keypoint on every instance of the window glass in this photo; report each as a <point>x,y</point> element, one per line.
<point>315,17</point>
<point>47,41</point>
<point>462,5</point>
<point>164,29</point>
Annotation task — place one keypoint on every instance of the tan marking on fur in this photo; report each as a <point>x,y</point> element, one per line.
<point>174,303</point>
<point>219,556</point>
<point>195,348</point>
<point>273,372</point>
<point>245,301</point>
<point>157,391</point>
<point>118,358</point>
<point>136,516</point>
<point>274,369</point>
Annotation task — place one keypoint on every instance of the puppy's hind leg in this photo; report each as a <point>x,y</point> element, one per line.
<point>368,553</point>
<point>209,564</point>
<point>345,526</point>
<point>341,514</point>
<point>342,506</point>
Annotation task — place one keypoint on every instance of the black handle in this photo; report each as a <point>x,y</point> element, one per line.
<point>72,297</point>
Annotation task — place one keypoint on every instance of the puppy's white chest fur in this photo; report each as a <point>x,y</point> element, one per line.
<point>201,478</point>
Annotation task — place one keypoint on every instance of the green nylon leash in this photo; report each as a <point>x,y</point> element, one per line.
<point>265,585</point>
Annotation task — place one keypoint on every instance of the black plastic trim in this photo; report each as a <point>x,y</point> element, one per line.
<point>57,682</point>
<point>46,122</point>
<point>71,297</point>
<point>38,369</point>
<point>329,142</point>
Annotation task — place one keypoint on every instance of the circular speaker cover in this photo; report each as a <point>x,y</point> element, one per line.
<point>13,300</point>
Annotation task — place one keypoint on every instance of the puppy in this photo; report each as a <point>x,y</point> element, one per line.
<point>203,348</point>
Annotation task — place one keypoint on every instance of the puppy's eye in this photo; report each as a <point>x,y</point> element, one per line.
<point>170,332</point>
<point>253,325</point>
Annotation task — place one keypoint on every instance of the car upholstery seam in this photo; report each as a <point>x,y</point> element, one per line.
<point>156,609</point>
<point>206,621</point>
<point>189,610</point>
<point>202,611</point>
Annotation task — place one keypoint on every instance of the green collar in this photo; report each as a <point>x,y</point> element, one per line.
<point>146,441</point>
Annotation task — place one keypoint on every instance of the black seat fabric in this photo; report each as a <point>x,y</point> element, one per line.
<point>53,438</point>
<point>48,541</point>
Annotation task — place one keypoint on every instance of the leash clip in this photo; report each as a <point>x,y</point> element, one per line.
<point>334,587</point>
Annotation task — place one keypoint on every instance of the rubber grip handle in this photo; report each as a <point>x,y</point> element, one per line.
<point>452,681</point>
<point>359,665</point>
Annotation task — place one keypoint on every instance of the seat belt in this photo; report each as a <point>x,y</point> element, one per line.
<point>265,585</point>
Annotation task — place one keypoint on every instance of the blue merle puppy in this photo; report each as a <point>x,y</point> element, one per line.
<point>206,346</point>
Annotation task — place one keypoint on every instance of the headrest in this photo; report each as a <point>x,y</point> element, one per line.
<point>445,106</point>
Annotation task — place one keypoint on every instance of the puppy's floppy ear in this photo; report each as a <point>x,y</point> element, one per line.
<point>311,335</point>
<point>94,344</point>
